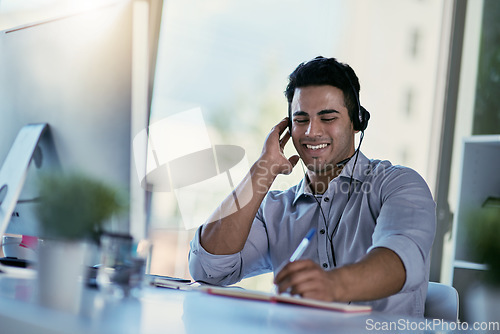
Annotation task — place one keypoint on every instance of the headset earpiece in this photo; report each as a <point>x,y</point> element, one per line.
<point>363,118</point>
<point>361,121</point>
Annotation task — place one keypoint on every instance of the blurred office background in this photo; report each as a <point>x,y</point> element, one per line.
<point>429,72</point>
<point>232,59</point>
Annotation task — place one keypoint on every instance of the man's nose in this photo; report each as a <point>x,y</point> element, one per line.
<point>314,129</point>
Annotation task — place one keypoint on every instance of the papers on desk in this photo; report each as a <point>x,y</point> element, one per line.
<point>174,283</point>
<point>269,297</point>
<point>171,282</point>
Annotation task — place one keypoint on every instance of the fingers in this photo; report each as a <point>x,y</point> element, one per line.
<point>284,140</point>
<point>282,125</point>
<point>279,128</point>
<point>276,132</point>
<point>307,279</point>
<point>307,284</point>
<point>272,151</point>
<point>293,160</point>
<point>291,274</point>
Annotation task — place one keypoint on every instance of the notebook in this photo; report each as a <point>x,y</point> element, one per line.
<point>274,298</point>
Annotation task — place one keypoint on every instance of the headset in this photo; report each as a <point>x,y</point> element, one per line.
<point>360,123</point>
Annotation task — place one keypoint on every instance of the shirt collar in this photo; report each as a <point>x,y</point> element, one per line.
<point>361,170</point>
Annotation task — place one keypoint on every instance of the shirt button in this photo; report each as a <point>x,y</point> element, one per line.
<point>322,231</point>
<point>325,265</point>
<point>326,199</point>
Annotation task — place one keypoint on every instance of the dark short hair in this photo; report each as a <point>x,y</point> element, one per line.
<point>326,71</point>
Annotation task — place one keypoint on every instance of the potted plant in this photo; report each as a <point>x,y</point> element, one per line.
<point>75,206</point>
<point>72,211</point>
<point>483,227</point>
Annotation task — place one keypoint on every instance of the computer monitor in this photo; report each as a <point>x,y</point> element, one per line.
<point>88,75</point>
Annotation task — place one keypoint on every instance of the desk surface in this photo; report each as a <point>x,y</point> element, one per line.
<point>161,310</point>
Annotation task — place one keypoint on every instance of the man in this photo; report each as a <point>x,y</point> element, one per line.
<point>375,221</point>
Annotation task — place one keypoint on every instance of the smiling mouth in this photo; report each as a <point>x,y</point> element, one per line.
<point>316,147</point>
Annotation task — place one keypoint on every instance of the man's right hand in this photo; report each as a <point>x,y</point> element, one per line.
<point>272,158</point>
<point>227,229</point>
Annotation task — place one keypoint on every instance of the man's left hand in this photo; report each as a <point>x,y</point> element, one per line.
<point>307,279</point>
<point>379,274</point>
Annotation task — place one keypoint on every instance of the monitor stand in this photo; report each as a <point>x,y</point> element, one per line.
<point>12,176</point>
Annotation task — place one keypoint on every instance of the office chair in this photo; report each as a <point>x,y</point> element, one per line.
<point>441,302</point>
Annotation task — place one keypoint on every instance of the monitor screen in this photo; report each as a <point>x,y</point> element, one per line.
<point>87,76</point>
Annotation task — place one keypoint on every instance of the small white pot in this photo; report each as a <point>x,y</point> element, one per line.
<point>61,273</point>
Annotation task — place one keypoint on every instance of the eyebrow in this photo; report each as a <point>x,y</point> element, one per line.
<point>322,112</point>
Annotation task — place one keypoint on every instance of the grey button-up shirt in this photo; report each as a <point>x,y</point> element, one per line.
<point>389,206</point>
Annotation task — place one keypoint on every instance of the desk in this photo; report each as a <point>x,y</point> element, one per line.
<point>161,310</point>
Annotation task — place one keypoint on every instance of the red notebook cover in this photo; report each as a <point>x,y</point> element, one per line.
<point>263,296</point>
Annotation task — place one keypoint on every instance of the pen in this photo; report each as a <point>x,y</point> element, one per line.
<point>303,245</point>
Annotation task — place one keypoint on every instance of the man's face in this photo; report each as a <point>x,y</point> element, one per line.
<point>322,131</point>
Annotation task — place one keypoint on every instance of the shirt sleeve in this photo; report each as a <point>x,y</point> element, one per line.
<point>407,223</point>
<point>229,269</point>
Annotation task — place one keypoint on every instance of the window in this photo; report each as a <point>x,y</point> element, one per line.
<point>229,62</point>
